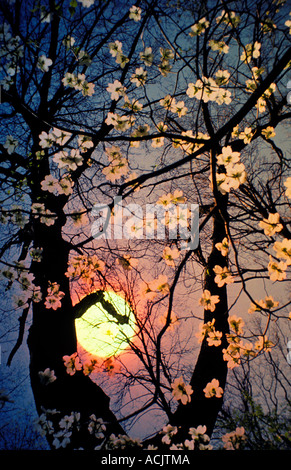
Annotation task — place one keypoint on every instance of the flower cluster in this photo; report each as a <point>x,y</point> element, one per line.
<point>199,440</point>
<point>53,185</point>
<point>277,270</point>
<point>164,66</point>
<point>115,49</point>
<point>168,432</point>
<point>66,426</point>
<point>10,144</point>
<point>236,324</point>
<point>111,366</point>
<point>44,63</point>
<point>53,137</point>
<point>262,304</point>
<point>159,141</point>
<point>135,13</point>
<point>28,291</point>
<point>44,423</point>
<point>181,391</point>
<point>116,169</point>
<point>68,41</point>
<point>45,216</point>
<point>207,89</point>
<point>141,131</point>
<point>223,276</point>
<point>222,77</point>
<point>191,147</point>
<point>15,215</point>
<point>172,215</point>
<point>87,3</point>
<point>147,56</point>
<point>251,51</point>
<point>234,440</point>
<point>66,161</point>
<point>90,366</point>
<point>288,23</point>
<point>84,267</point>
<point>122,442</point>
<point>84,143</point>
<point>268,26</point>
<point>232,354</point>
<point>219,46</point>
<point>47,376</point>
<point>246,135</point>
<point>54,296</point>
<point>223,246</point>
<point>213,389</point>
<point>96,427</point>
<point>73,364</point>
<point>170,254</point>
<point>271,225</point>
<point>170,103</point>
<point>166,102</point>
<point>149,290</point>
<point>238,348</point>
<point>199,27</point>
<point>36,254</point>
<point>228,17</point>
<point>11,50</point>
<point>79,83</point>
<point>234,171</point>
<point>208,301</point>
<point>252,84</point>
<point>118,166</point>
<point>172,198</point>
<point>283,250</point>
<point>120,123</point>
<point>263,344</point>
<point>139,77</point>
<point>127,262</point>
<point>62,429</point>
<point>207,330</point>
<point>116,90</point>
<point>213,337</point>
<point>268,132</point>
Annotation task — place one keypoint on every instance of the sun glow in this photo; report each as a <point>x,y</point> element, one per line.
<point>107,327</point>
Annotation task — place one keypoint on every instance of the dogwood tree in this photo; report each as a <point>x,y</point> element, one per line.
<point>109,103</point>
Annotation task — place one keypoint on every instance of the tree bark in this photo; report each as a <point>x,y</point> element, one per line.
<point>51,336</point>
<point>210,364</point>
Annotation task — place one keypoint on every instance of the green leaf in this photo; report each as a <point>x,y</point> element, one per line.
<point>72,7</point>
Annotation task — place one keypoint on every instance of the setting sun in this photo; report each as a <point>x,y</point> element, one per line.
<point>107,327</point>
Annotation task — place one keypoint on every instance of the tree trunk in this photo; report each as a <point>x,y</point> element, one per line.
<point>210,364</point>
<point>51,336</point>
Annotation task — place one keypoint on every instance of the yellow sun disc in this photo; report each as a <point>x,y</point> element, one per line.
<point>107,327</point>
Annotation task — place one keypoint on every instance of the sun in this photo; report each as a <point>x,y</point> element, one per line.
<point>107,327</point>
